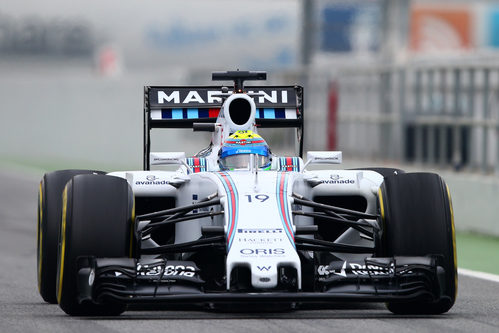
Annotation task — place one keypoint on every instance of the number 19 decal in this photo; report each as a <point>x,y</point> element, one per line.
<point>257,197</point>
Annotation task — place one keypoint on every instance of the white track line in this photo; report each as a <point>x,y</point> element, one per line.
<point>479,275</point>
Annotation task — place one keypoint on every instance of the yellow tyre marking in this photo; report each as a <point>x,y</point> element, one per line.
<point>453,237</point>
<point>63,243</point>
<point>40,236</point>
<point>382,208</point>
<point>132,227</point>
<point>380,196</point>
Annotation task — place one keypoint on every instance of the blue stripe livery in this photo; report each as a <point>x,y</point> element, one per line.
<point>187,113</point>
<point>283,205</point>
<point>232,205</point>
<point>177,114</point>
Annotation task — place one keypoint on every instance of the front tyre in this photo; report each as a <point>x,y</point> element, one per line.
<point>49,220</point>
<point>97,220</point>
<point>418,220</point>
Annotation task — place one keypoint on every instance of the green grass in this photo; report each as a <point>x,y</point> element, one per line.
<point>478,252</point>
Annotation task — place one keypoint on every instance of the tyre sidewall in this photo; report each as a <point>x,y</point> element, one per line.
<point>97,222</point>
<point>418,221</point>
<point>49,219</point>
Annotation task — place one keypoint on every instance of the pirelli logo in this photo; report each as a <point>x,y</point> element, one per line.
<point>261,231</point>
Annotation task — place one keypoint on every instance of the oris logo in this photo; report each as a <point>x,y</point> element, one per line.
<point>277,251</point>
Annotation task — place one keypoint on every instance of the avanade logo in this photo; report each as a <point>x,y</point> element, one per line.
<point>337,179</point>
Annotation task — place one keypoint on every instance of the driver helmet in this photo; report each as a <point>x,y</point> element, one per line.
<point>237,150</point>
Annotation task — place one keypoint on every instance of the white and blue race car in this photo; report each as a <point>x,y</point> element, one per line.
<point>237,225</point>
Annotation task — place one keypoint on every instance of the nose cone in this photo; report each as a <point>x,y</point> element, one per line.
<point>259,227</point>
<point>263,276</point>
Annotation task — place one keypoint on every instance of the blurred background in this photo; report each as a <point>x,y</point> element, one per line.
<point>411,84</point>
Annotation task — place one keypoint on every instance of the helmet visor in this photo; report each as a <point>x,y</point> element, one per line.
<point>242,161</point>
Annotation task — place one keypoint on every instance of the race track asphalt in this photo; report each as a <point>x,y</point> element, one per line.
<point>23,310</point>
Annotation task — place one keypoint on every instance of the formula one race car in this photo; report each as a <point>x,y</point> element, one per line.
<point>238,225</point>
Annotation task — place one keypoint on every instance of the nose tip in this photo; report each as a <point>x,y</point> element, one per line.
<point>264,276</point>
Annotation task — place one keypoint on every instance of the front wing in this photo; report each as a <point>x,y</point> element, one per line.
<point>164,281</point>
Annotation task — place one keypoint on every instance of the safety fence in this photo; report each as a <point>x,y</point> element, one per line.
<point>437,115</point>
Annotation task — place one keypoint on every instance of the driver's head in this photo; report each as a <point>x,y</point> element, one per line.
<point>237,150</point>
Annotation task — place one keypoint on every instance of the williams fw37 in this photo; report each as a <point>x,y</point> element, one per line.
<point>236,224</point>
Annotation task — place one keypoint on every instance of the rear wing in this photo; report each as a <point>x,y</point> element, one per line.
<point>182,106</point>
